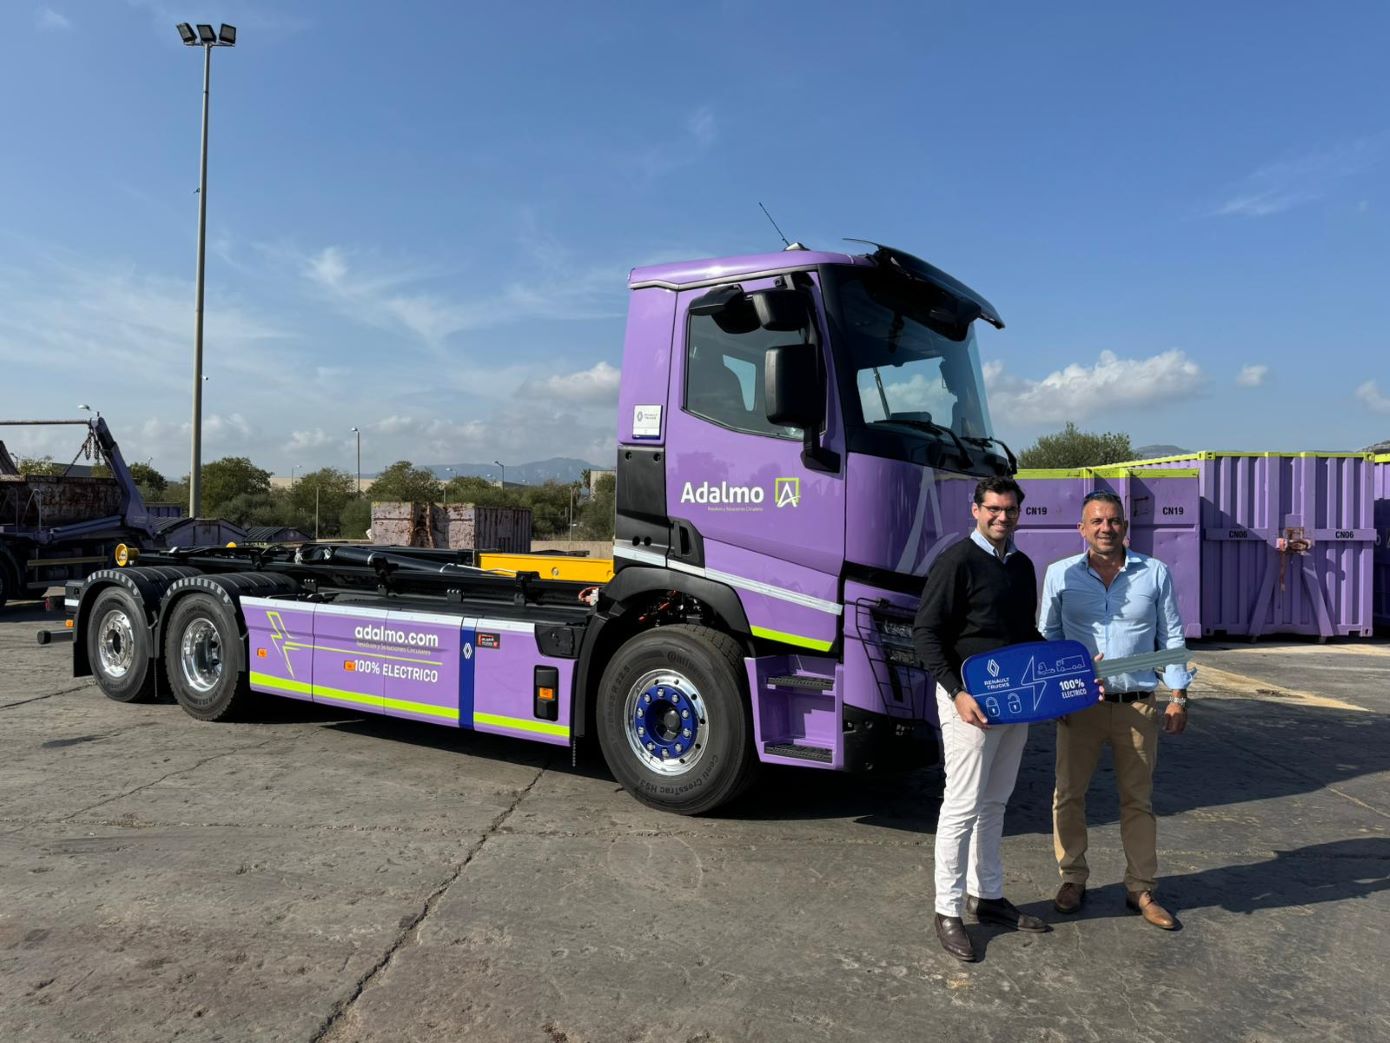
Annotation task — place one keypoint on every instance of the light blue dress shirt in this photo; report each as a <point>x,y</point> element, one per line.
<point>1137,614</point>
<point>984,544</point>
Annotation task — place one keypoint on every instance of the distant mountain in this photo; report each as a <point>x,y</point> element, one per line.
<point>1148,452</point>
<point>1378,448</point>
<point>536,472</point>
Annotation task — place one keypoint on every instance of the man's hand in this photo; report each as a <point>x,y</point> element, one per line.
<point>1099,683</point>
<point>1174,719</point>
<point>968,710</point>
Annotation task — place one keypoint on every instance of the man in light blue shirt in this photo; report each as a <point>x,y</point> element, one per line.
<point>1118,603</point>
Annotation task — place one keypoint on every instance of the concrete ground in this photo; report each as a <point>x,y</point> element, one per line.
<point>320,876</point>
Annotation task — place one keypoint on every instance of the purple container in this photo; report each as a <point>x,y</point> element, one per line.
<point>1257,578</point>
<point>1380,584</point>
<point>1163,508</point>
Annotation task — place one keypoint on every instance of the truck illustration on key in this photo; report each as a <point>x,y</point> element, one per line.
<point>799,435</point>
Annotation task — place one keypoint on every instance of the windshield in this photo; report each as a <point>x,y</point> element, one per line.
<point>904,363</point>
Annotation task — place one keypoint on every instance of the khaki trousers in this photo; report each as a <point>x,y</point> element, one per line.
<point>1131,730</point>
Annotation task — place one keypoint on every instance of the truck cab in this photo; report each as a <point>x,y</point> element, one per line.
<point>804,430</point>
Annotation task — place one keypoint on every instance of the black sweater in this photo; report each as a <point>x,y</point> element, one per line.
<point>973,603</point>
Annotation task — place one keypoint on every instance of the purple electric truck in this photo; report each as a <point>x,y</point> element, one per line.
<point>799,434</point>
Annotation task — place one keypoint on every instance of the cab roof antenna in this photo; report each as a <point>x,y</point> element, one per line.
<point>786,245</point>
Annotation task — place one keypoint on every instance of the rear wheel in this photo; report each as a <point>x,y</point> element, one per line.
<point>118,647</point>
<point>672,720</point>
<point>204,658</point>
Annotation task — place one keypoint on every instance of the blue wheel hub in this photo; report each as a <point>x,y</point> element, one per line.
<point>665,723</point>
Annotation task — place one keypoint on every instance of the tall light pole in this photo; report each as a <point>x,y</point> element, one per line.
<point>359,460</point>
<point>446,487</point>
<point>500,464</point>
<point>207,40</point>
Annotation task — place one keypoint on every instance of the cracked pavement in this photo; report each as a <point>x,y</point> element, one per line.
<point>320,876</point>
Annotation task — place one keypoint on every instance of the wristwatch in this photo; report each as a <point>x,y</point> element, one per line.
<point>1179,701</point>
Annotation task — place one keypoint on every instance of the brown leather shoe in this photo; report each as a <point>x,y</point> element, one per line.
<point>1069,897</point>
<point>951,932</point>
<point>1143,903</point>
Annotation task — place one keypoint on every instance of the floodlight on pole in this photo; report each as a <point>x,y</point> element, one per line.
<point>500,464</point>
<point>207,39</point>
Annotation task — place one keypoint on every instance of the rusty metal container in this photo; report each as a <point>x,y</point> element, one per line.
<point>50,501</point>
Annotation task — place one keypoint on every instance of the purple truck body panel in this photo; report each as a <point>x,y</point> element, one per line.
<point>1249,500</point>
<point>463,671</point>
<point>1380,584</point>
<point>646,363</point>
<point>679,274</point>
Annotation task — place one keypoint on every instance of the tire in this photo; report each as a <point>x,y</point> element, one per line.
<point>205,659</point>
<point>673,722</point>
<point>119,647</point>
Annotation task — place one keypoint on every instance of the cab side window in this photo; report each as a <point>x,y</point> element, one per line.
<point>724,377</point>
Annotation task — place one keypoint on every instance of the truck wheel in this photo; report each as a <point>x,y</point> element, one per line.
<point>118,647</point>
<point>672,721</point>
<point>204,658</point>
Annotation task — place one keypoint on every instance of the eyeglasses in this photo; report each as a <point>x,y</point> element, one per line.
<point>1011,512</point>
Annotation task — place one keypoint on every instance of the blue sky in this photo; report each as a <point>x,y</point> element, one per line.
<point>421,223</point>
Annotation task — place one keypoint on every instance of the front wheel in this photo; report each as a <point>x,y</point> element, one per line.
<point>204,658</point>
<point>672,720</point>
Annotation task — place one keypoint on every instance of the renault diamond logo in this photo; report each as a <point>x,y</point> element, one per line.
<point>993,667</point>
<point>787,492</point>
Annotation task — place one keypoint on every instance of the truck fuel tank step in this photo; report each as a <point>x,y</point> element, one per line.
<point>796,750</point>
<point>814,684</point>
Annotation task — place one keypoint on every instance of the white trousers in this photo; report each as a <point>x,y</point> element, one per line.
<point>981,768</point>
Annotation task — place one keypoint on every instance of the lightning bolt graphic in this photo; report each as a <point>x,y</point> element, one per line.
<point>280,635</point>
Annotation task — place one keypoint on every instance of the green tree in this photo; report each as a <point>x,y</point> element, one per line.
<point>355,519</point>
<point>324,492</point>
<point>550,508</point>
<point>38,465</point>
<point>404,481</point>
<point>267,508</point>
<point>1072,447</point>
<point>599,518</point>
<point>152,484</point>
<point>228,478</point>
<point>472,489</point>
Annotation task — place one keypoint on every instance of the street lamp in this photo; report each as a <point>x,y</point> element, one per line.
<point>359,460</point>
<point>500,464</point>
<point>446,488</point>
<point>207,40</point>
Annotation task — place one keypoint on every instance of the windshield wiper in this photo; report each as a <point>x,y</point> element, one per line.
<point>984,443</point>
<point>935,428</point>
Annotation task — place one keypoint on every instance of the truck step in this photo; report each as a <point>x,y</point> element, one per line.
<point>792,749</point>
<point>815,684</point>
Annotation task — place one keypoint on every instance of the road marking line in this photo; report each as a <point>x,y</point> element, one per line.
<point>1253,689</point>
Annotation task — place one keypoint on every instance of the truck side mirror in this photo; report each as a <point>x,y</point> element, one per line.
<point>793,389</point>
<point>781,311</point>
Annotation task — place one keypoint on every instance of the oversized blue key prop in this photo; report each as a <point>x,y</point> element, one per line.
<point>1032,682</point>
<point>1041,680</point>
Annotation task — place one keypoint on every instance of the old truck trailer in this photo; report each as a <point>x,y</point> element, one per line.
<point>799,435</point>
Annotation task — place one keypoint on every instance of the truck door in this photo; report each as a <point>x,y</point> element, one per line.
<point>763,521</point>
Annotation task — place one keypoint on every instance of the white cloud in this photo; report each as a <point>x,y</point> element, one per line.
<point>1283,185</point>
<point>597,385</point>
<point>48,19</point>
<point>302,441</point>
<point>1112,385</point>
<point>1370,395</point>
<point>1252,376</point>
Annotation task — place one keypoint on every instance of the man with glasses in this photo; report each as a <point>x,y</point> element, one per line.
<point>1117,602</point>
<point>980,595</point>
